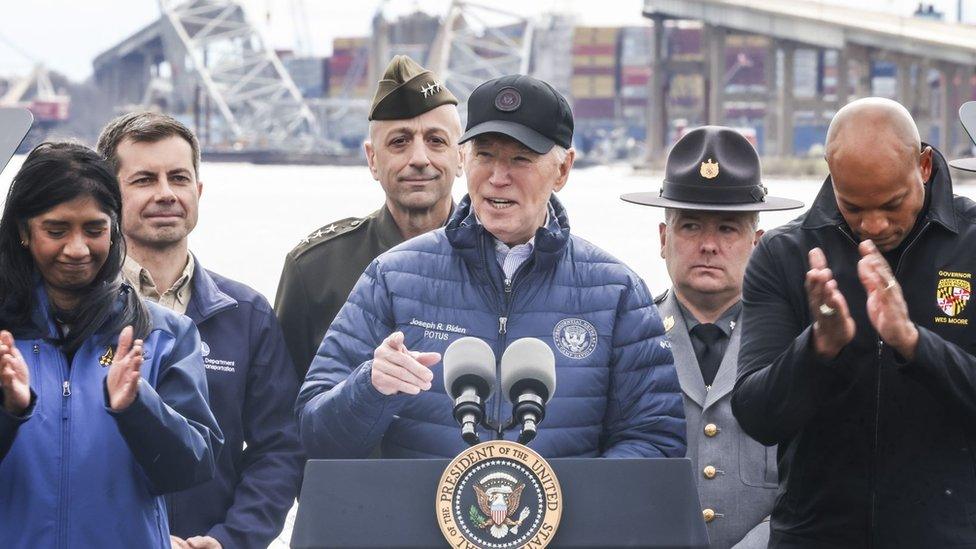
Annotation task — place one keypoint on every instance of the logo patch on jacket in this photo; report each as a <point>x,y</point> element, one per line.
<point>108,357</point>
<point>668,323</point>
<point>575,338</point>
<point>952,296</point>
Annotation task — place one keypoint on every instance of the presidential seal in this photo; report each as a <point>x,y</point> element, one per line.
<point>508,99</point>
<point>498,495</point>
<point>575,338</point>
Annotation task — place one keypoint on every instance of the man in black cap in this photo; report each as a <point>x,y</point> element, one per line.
<point>857,346</point>
<point>712,195</point>
<point>413,152</point>
<point>505,267</point>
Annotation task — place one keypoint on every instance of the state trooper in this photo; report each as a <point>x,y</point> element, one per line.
<point>413,152</point>
<point>712,195</point>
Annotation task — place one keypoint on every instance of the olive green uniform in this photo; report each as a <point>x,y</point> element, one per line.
<point>320,272</point>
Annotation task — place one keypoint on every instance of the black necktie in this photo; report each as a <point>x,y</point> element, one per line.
<point>710,354</point>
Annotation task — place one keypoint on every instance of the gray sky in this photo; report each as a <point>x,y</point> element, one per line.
<point>68,35</point>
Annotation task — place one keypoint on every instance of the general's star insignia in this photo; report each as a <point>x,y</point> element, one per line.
<point>430,89</point>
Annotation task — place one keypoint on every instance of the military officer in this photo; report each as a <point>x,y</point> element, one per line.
<point>712,197</point>
<point>413,152</point>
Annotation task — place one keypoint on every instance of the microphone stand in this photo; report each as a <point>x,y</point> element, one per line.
<point>533,416</point>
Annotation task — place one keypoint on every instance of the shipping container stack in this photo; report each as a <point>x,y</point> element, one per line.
<point>684,43</point>
<point>593,87</point>
<point>636,57</point>
<point>349,55</point>
<point>310,75</point>
<point>746,70</point>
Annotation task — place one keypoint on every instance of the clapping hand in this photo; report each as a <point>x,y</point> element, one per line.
<point>14,376</point>
<point>886,305</point>
<point>123,375</point>
<point>833,326</point>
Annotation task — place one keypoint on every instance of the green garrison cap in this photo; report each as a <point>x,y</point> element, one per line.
<point>408,90</point>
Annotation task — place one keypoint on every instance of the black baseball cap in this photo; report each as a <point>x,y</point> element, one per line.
<point>523,108</point>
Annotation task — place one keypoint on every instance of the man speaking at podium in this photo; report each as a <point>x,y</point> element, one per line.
<point>505,267</point>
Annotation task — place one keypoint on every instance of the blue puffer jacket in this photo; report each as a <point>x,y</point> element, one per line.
<point>617,393</point>
<point>75,473</point>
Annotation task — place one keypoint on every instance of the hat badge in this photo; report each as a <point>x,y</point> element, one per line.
<point>430,89</point>
<point>508,99</point>
<point>709,170</point>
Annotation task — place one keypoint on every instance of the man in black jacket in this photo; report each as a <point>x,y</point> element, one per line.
<point>858,363</point>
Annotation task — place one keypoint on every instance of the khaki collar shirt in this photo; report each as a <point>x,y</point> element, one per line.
<point>176,298</point>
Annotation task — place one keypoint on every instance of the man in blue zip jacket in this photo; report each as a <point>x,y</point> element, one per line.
<point>504,267</point>
<point>249,372</point>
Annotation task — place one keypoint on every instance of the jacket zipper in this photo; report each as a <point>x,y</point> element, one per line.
<point>877,394</point>
<point>65,448</point>
<point>508,291</point>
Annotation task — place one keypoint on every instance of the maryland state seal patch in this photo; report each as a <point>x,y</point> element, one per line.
<point>952,296</point>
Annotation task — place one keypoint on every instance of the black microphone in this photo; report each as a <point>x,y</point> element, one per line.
<point>528,381</point>
<point>469,374</point>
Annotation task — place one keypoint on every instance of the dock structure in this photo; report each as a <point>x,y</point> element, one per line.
<point>932,66</point>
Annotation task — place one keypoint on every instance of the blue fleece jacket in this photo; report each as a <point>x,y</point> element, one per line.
<point>77,474</point>
<point>252,389</point>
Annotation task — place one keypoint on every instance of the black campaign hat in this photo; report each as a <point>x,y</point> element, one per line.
<point>523,108</point>
<point>967,116</point>
<point>713,168</point>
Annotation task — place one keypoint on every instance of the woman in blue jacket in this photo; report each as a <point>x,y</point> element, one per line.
<point>104,397</point>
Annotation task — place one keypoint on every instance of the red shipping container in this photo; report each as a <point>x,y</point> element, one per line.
<point>49,111</point>
<point>631,77</point>
<point>594,49</point>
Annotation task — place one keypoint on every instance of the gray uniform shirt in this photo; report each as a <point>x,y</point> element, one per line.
<point>736,475</point>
